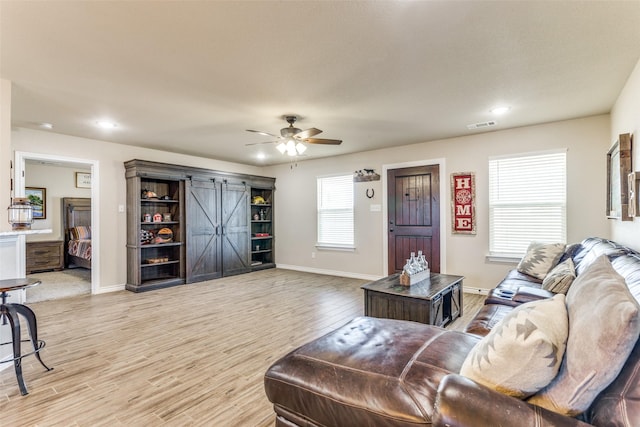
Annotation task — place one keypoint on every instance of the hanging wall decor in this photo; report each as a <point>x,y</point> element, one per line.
<point>463,203</point>
<point>618,167</point>
<point>365,175</point>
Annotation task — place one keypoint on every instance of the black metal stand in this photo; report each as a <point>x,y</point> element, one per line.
<point>11,312</point>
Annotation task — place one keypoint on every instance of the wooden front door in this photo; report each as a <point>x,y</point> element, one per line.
<point>414,215</point>
<point>204,231</point>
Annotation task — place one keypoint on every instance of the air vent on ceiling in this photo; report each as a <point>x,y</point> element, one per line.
<point>482,125</point>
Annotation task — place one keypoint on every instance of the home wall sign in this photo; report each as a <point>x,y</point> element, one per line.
<point>463,203</point>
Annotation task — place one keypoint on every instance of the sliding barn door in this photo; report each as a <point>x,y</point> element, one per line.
<point>236,229</point>
<point>204,231</point>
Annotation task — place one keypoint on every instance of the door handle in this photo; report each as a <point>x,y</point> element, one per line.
<point>391,230</point>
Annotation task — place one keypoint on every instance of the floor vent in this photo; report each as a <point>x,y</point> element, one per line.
<point>482,125</point>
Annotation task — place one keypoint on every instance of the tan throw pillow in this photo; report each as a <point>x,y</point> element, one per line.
<point>560,278</point>
<point>523,352</point>
<point>540,258</point>
<point>604,327</point>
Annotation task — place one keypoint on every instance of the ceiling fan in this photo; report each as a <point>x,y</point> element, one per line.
<point>291,138</point>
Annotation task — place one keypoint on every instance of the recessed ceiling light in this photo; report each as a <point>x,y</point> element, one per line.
<point>499,110</point>
<point>104,124</point>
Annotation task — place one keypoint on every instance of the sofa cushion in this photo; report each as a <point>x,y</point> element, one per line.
<point>375,372</point>
<point>487,318</point>
<point>540,258</point>
<point>523,352</point>
<point>560,277</point>
<point>604,327</point>
<point>619,404</point>
<point>591,248</point>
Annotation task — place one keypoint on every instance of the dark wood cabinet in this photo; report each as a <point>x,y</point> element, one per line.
<point>44,256</point>
<point>209,214</point>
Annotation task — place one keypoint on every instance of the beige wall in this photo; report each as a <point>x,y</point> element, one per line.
<point>625,118</point>
<point>59,182</point>
<point>5,152</point>
<point>112,189</point>
<point>585,139</point>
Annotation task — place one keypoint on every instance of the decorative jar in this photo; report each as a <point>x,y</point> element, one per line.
<point>20,214</point>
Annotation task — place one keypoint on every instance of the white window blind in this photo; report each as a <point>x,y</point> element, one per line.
<point>527,201</point>
<point>335,211</point>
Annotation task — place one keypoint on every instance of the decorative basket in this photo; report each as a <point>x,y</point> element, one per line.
<point>408,280</point>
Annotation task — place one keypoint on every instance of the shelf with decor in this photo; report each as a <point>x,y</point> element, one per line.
<point>155,239</point>
<point>187,224</point>
<point>262,232</point>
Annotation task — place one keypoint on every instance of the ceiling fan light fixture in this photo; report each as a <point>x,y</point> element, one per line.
<point>291,148</point>
<point>282,147</point>
<point>300,148</point>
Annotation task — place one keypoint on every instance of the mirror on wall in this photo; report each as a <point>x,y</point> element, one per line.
<point>618,169</point>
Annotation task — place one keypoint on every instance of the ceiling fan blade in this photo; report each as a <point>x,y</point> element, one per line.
<point>260,143</point>
<point>307,133</point>
<point>263,133</point>
<point>323,141</point>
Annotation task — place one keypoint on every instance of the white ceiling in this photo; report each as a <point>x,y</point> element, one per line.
<point>192,76</point>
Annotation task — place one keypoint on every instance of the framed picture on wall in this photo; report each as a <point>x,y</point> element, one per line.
<point>38,198</point>
<point>83,180</point>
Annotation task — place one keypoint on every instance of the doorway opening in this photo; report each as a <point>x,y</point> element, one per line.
<point>25,161</point>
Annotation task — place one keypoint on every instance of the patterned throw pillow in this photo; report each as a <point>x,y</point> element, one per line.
<point>523,352</point>
<point>540,258</point>
<point>80,233</point>
<point>604,329</point>
<point>560,278</point>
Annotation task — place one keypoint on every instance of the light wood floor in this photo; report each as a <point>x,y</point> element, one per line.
<point>191,355</point>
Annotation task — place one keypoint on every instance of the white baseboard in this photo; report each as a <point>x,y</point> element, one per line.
<point>107,289</point>
<point>477,291</point>
<point>329,272</point>
<point>465,289</point>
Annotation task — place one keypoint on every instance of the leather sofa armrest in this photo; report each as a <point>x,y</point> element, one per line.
<point>463,402</point>
<point>527,294</point>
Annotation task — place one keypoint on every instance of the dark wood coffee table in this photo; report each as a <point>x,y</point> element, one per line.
<point>435,301</point>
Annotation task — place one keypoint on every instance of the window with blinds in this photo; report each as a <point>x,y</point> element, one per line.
<point>527,201</point>
<point>335,212</point>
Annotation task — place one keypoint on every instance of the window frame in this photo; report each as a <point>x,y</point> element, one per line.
<point>334,245</point>
<point>557,206</point>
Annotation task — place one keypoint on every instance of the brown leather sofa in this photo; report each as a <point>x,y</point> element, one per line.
<point>382,372</point>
